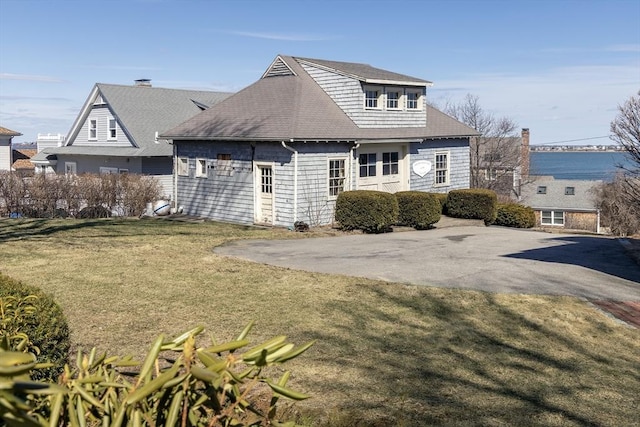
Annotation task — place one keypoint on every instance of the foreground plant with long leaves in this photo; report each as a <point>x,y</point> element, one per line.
<point>177,384</point>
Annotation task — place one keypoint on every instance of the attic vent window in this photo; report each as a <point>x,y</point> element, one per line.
<point>542,189</point>
<point>569,191</point>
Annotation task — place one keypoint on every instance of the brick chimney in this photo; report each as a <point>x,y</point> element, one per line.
<point>143,82</point>
<point>524,154</point>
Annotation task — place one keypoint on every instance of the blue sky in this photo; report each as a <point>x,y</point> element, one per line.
<point>558,67</point>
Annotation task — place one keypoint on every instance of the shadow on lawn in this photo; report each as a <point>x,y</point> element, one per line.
<point>596,253</point>
<point>455,368</point>
<point>11,229</point>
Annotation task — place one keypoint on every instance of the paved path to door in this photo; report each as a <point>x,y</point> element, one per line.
<point>491,259</point>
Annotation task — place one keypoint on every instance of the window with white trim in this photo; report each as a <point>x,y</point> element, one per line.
<point>441,168</point>
<point>552,217</point>
<point>183,166</point>
<point>390,163</point>
<point>372,98</point>
<point>108,171</point>
<point>112,129</point>
<point>414,100</point>
<point>201,168</point>
<point>93,129</point>
<point>223,164</point>
<point>569,191</point>
<point>337,176</point>
<point>542,189</point>
<point>367,164</point>
<point>70,168</point>
<point>393,100</point>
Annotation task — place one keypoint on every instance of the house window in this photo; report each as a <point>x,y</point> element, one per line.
<point>201,168</point>
<point>569,191</point>
<point>490,174</point>
<point>393,100</point>
<point>371,98</point>
<point>223,165</point>
<point>542,189</point>
<point>108,171</point>
<point>337,175</point>
<point>390,163</point>
<point>70,168</point>
<point>183,166</point>
<point>442,169</point>
<point>93,129</point>
<point>413,100</point>
<point>367,165</point>
<point>266,176</point>
<point>112,129</point>
<point>552,217</point>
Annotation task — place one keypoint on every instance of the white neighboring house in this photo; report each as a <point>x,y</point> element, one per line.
<point>45,142</point>
<point>116,130</point>
<point>6,135</point>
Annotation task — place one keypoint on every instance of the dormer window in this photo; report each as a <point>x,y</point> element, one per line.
<point>413,100</point>
<point>93,130</point>
<point>569,191</point>
<point>372,98</point>
<point>112,129</point>
<point>542,189</point>
<point>393,100</point>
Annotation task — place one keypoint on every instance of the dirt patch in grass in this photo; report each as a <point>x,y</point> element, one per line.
<point>387,354</point>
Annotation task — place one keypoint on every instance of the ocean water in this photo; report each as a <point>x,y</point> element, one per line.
<point>577,164</point>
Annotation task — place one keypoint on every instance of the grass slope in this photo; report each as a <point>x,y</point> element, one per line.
<point>387,354</point>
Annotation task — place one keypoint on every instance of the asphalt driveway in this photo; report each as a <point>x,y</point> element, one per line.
<point>491,259</point>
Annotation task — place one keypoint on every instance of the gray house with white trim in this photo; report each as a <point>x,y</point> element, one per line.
<point>282,149</point>
<point>117,127</point>
<point>563,203</point>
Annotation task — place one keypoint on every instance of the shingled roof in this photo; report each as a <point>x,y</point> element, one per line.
<point>141,112</point>
<point>292,105</point>
<point>547,193</point>
<point>8,132</point>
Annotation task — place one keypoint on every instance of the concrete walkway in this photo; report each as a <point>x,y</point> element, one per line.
<point>464,256</point>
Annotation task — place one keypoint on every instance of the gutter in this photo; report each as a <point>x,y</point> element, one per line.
<point>351,162</point>
<point>295,179</point>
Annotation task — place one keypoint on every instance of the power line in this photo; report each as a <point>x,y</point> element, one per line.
<point>572,140</point>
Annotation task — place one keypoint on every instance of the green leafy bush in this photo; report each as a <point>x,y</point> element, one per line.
<point>178,384</point>
<point>515,215</point>
<point>418,209</point>
<point>442,199</point>
<point>46,326</point>
<point>366,210</point>
<point>473,204</point>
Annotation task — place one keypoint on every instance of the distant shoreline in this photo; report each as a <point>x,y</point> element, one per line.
<point>574,148</point>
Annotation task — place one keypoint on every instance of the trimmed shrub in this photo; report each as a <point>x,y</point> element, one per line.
<point>366,210</point>
<point>418,209</point>
<point>474,204</point>
<point>515,215</point>
<point>94,212</point>
<point>442,199</point>
<point>46,328</point>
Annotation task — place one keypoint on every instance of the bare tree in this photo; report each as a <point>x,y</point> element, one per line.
<point>496,155</point>
<point>625,130</point>
<point>616,213</point>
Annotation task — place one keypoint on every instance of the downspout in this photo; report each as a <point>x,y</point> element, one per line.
<point>175,176</point>
<point>351,162</point>
<point>598,222</point>
<point>295,179</point>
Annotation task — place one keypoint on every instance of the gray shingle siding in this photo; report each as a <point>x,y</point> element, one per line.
<point>458,150</point>
<point>348,94</point>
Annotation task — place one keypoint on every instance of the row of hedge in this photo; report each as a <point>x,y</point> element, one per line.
<point>377,211</point>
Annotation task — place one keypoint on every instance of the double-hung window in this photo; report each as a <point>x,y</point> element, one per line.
<point>337,176</point>
<point>413,100</point>
<point>393,100</point>
<point>183,166</point>
<point>112,129</point>
<point>442,168</point>
<point>552,218</point>
<point>367,165</point>
<point>201,168</point>
<point>93,129</point>
<point>372,98</point>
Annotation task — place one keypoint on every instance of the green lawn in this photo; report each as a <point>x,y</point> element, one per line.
<point>387,354</point>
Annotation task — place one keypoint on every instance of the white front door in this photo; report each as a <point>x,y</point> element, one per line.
<point>382,167</point>
<point>264,193</point>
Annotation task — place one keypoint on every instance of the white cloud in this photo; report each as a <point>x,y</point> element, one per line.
<point>282,36</point>
<point>27,77</point>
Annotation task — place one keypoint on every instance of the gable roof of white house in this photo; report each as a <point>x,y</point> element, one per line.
<point>141,111</point>
<point>547,193</point>
<point>288,104</point>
